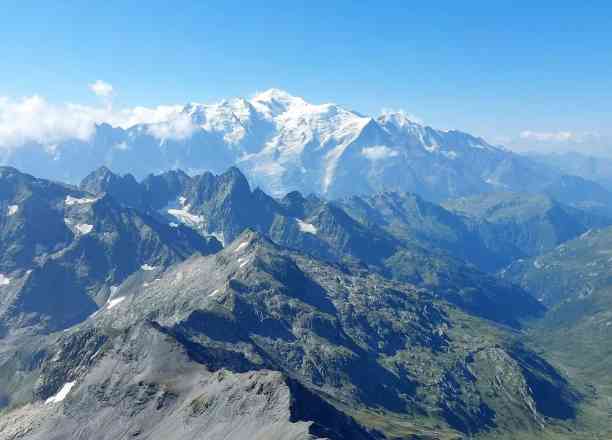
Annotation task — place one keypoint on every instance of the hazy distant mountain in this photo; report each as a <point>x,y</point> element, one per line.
<point>284,143</point>
<point>514,226</point>
<point>595,168</point>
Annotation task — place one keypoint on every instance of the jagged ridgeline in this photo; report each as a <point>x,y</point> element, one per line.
<point>285,143</point>
<point>194,307</point>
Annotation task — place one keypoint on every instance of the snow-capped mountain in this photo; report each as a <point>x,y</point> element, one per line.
<point>284,143</point>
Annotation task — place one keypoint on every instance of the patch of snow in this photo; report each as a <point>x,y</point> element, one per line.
<point>227,118</point>
<point>76,201</point>
<point>12,210</point>
<point>491,181</point>
<point>431,146</point>
<point>450,154</point>
<point>241,246</point>
<point>113,302</point>
<point>477,144</point>
<point>219,236</point>
<point>342,135</point>
<point>84,228</point>
<point>4,280</point>
<point>182,200</point>
<point>184,216</point>
<point>379,152</point>
<point>174,225</point>
<point>537,264</point>
<point>215,292</point>
<point>147,267</point>
<point>306,227</point>
<point>61,395</point>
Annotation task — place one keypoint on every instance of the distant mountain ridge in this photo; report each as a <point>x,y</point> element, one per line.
<point>283,143</point>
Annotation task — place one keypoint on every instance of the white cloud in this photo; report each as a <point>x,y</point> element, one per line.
<point>102,89</point>
<point>588,142</point>
<point>144,115</point>
<point>33,119</point>
<point>177,127</point>
<point>550,136</point>
<point>378,152</point>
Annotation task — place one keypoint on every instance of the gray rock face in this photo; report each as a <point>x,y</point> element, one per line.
<point>64,251</point>
<point>595,168</point>
<point>420,245</point>
<point>263,341</point>
<point>144,385</point>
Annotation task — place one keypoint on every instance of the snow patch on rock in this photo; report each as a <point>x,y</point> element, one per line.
<point>84,228</point>
<point>4,280</point>
<point>70,201</point>
<point>113,302</point>
<point>12,210</point>
<point>184,216</point>
<point>61,395</point>
<point>147,267</point>
<point>214,293</point>
<point>306,227</point>
<point>241,246</point>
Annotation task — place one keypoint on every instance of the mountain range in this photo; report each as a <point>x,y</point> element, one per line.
<point>268,268</point>
<point>181,306</point>
<point>283,143</point>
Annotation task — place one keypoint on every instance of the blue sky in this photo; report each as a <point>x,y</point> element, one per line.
<point>496,69</point>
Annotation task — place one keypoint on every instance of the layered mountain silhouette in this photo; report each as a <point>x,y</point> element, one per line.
<point>193,306</point>
<point>284,143</point>
<point>224,206</point>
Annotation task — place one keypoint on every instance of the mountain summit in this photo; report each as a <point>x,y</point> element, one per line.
<point>284,143</point>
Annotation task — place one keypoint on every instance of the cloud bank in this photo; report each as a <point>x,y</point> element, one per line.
<point>540,141</point>
<point>557,136</point>
<point>33,119</point>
